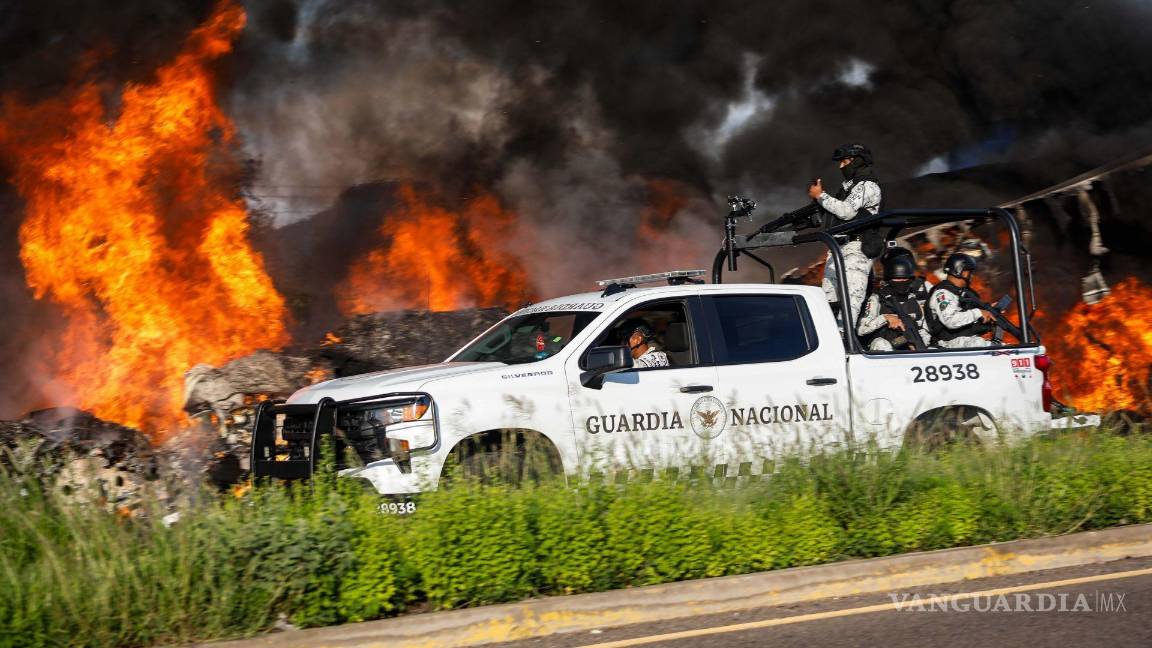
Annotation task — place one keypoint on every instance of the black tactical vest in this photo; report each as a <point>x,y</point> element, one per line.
<point>894,303</point>
<point>942,333</point>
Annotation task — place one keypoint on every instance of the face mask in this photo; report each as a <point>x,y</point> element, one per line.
<point>901,287</point>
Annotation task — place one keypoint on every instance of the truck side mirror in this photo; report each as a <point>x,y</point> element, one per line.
<point>601,361</point>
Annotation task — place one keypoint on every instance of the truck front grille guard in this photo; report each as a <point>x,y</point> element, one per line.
<point>289,452</point>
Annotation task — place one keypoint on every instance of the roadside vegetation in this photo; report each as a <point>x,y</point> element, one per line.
<point>323,554</point>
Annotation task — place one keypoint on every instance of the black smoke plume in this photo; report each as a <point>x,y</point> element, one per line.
<point>566,109</point>
<point>569,111</point>
<point>479,88</point>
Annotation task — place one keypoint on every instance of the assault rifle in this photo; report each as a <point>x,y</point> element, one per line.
<point>806,217</point>
<point>911,327</point>
<point>1000,323</point>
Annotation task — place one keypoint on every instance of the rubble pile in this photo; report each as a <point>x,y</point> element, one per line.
<point>79,453</point>
<point>404,338</point>
<point>222,400</point>
<point>82,456</point>
<point>214,393</point>
<point>366,343</point>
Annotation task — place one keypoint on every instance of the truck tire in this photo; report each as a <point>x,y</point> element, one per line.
<point>506,457</point>
<point>938,429</point>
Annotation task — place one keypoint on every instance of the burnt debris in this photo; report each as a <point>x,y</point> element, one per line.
<point>84,457</point>
<point>75,451</point>
<point>403,339</point>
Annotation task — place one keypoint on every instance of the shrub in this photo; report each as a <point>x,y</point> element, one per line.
<point>470,546</point>
<point>808,533</point>
<point>322,553</point>
<point>742,539</point>
<point>939,517</point>
<point>373,586</point>
<point>653,536</point>
<point>571,539</point>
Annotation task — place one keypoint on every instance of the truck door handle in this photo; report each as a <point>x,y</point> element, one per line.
<point>695,389</point>
<point>817,382</point>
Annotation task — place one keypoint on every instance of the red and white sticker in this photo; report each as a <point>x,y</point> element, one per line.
<point>1022,367</point>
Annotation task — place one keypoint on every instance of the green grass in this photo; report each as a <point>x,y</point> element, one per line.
<point>321,554</point>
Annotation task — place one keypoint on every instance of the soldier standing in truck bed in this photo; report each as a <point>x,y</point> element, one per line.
<point>859,193</point>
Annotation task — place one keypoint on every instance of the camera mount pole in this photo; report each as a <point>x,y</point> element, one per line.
<point>738,208</point>
<point>730,239</point>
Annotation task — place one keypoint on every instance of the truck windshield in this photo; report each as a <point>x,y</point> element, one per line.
<point>526,338</point>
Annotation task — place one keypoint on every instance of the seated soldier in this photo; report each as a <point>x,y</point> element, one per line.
<point>642,342</point>
<point>896,306</point>
<point>954,320</point>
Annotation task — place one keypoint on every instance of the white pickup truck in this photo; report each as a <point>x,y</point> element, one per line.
<point>755,370</point>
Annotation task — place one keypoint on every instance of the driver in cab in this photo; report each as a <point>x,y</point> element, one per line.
<point>642,343</point>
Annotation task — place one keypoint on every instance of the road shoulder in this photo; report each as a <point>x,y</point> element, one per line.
<point>585,612</point>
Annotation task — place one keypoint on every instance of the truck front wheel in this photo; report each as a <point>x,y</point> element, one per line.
<point>502,456</point>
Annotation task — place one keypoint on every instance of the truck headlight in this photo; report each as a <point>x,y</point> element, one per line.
<point>413,411</point>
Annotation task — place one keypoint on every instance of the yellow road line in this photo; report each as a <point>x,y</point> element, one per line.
<point>883,607</point>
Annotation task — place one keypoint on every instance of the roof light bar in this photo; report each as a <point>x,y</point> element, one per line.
<point>670,276</point>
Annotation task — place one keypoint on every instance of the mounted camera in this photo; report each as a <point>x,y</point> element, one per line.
<point>740,207</point>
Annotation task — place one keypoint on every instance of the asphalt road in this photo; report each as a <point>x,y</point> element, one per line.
<point>1108,607</point>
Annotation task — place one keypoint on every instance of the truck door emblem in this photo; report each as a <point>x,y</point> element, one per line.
<point>708,417</point>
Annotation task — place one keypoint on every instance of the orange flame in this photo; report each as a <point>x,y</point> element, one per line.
<point>437,259</point>
<point>1102,358</point>
<point>317,374</point>
<point>133,226</point>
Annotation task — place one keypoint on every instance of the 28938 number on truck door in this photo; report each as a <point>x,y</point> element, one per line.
<point>945,372</point>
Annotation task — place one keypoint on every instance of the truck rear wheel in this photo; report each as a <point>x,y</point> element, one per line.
<point>938,429</point>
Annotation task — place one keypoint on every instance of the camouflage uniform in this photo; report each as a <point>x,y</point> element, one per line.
<point>863,194</point>
<point>651,358</point>
<point>944,304</point>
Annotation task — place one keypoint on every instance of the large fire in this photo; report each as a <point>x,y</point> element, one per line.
<point>1102,352</point>
<point>134,227</point>
<point>437,258</point>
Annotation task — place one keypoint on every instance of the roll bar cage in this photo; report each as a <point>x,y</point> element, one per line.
<point>895,221</point>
